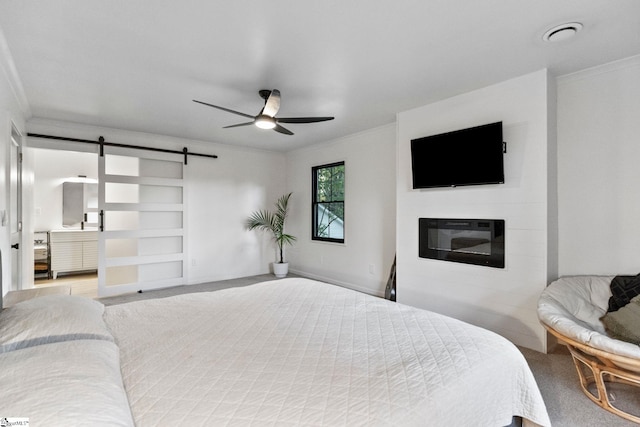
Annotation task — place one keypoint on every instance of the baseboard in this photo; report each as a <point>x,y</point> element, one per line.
<point>337,282</point>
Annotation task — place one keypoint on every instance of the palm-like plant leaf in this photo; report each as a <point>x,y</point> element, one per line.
<point>262,220</point>
<point>274,223</point>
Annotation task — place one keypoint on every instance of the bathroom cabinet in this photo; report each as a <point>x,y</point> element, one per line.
<point>73,250</point>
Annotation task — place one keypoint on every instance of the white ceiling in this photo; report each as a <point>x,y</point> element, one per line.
<point>137,65</point>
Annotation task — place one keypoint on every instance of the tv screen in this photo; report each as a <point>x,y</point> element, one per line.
<point>470,156</point>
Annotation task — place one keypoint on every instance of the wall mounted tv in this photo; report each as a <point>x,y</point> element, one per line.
<point>470,156</point>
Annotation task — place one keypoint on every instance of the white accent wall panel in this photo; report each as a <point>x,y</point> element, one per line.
<point>502,300</point>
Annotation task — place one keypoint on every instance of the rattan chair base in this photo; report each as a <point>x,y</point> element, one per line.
<point>601,368</point>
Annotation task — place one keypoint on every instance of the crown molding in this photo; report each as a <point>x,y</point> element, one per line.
<point>620,64</point>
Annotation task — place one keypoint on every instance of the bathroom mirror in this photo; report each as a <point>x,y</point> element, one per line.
<point>79,205</point>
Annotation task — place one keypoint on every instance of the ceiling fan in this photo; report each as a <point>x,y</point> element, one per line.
<point>267,119</point>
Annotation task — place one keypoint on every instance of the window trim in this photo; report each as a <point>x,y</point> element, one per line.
<point>314,203</point>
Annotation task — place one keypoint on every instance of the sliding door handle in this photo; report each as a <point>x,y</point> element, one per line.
<point>16,246</point>
<point>101,220</point>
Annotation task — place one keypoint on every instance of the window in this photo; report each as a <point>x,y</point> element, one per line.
<point>328,203</point>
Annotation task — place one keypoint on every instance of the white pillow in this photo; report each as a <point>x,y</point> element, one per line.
<point>65,384</point>
<point>51,318</point>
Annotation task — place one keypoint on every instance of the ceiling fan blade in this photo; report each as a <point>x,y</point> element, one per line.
<point>224,109</point>
<point>238,125</point>
<point>272,104</point>
<point>303,119</point>
<point>280,129</point>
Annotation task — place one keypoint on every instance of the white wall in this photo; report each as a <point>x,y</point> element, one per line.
<point>502,300</point>
<point>51,168</point>
<point>599,169</point>
<point>221,193</point>
<point>13,110</point>
<point>364,260</point>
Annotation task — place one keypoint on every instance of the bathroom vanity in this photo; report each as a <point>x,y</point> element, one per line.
<point>73,250</point>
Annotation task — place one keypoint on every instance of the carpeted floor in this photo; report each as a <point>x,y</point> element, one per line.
<point>567,405</point>
<point>555,373</point>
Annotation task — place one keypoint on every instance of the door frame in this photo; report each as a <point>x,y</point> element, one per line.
<point>15,208</point>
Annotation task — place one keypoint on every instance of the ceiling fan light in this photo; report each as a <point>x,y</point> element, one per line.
<point>265,122</point>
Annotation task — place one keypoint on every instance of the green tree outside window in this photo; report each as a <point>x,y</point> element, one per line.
<point>328,202</point>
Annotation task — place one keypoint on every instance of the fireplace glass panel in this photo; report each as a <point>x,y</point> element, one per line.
<point>470,241</point>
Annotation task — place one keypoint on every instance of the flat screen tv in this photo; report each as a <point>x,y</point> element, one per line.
<point>470,156</point>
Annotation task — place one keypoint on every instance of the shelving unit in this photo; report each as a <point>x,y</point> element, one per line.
<point>41,255</point>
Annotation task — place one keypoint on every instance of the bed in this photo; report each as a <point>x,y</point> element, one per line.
<point>296,352</point>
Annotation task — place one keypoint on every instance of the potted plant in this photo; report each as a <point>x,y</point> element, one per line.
<point>274,223</point>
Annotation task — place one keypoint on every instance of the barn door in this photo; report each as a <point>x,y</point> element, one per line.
<point>141,213</point>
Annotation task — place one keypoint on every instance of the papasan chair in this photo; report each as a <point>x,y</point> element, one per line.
<point>570,308</point>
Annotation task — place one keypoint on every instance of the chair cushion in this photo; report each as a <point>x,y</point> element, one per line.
<point>573,306</point>
<point>582,299</point>
<point>623,289</point>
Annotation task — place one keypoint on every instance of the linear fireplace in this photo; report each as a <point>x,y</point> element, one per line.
<point>469,241</point>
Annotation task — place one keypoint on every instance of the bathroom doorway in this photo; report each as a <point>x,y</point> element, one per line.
<point>65,211</point>
<point>134,235</point>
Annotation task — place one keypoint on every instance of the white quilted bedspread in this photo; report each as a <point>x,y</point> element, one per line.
<point>297,352</point>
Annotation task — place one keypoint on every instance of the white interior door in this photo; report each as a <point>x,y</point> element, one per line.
<point>141,236</point>
<point>15,209</point>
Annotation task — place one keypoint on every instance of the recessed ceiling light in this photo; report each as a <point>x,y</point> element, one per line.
<point>562,32</point>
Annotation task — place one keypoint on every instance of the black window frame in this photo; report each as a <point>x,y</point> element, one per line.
<point>315,203</point>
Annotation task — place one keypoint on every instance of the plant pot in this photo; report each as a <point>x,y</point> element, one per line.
<point>280,269</point>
